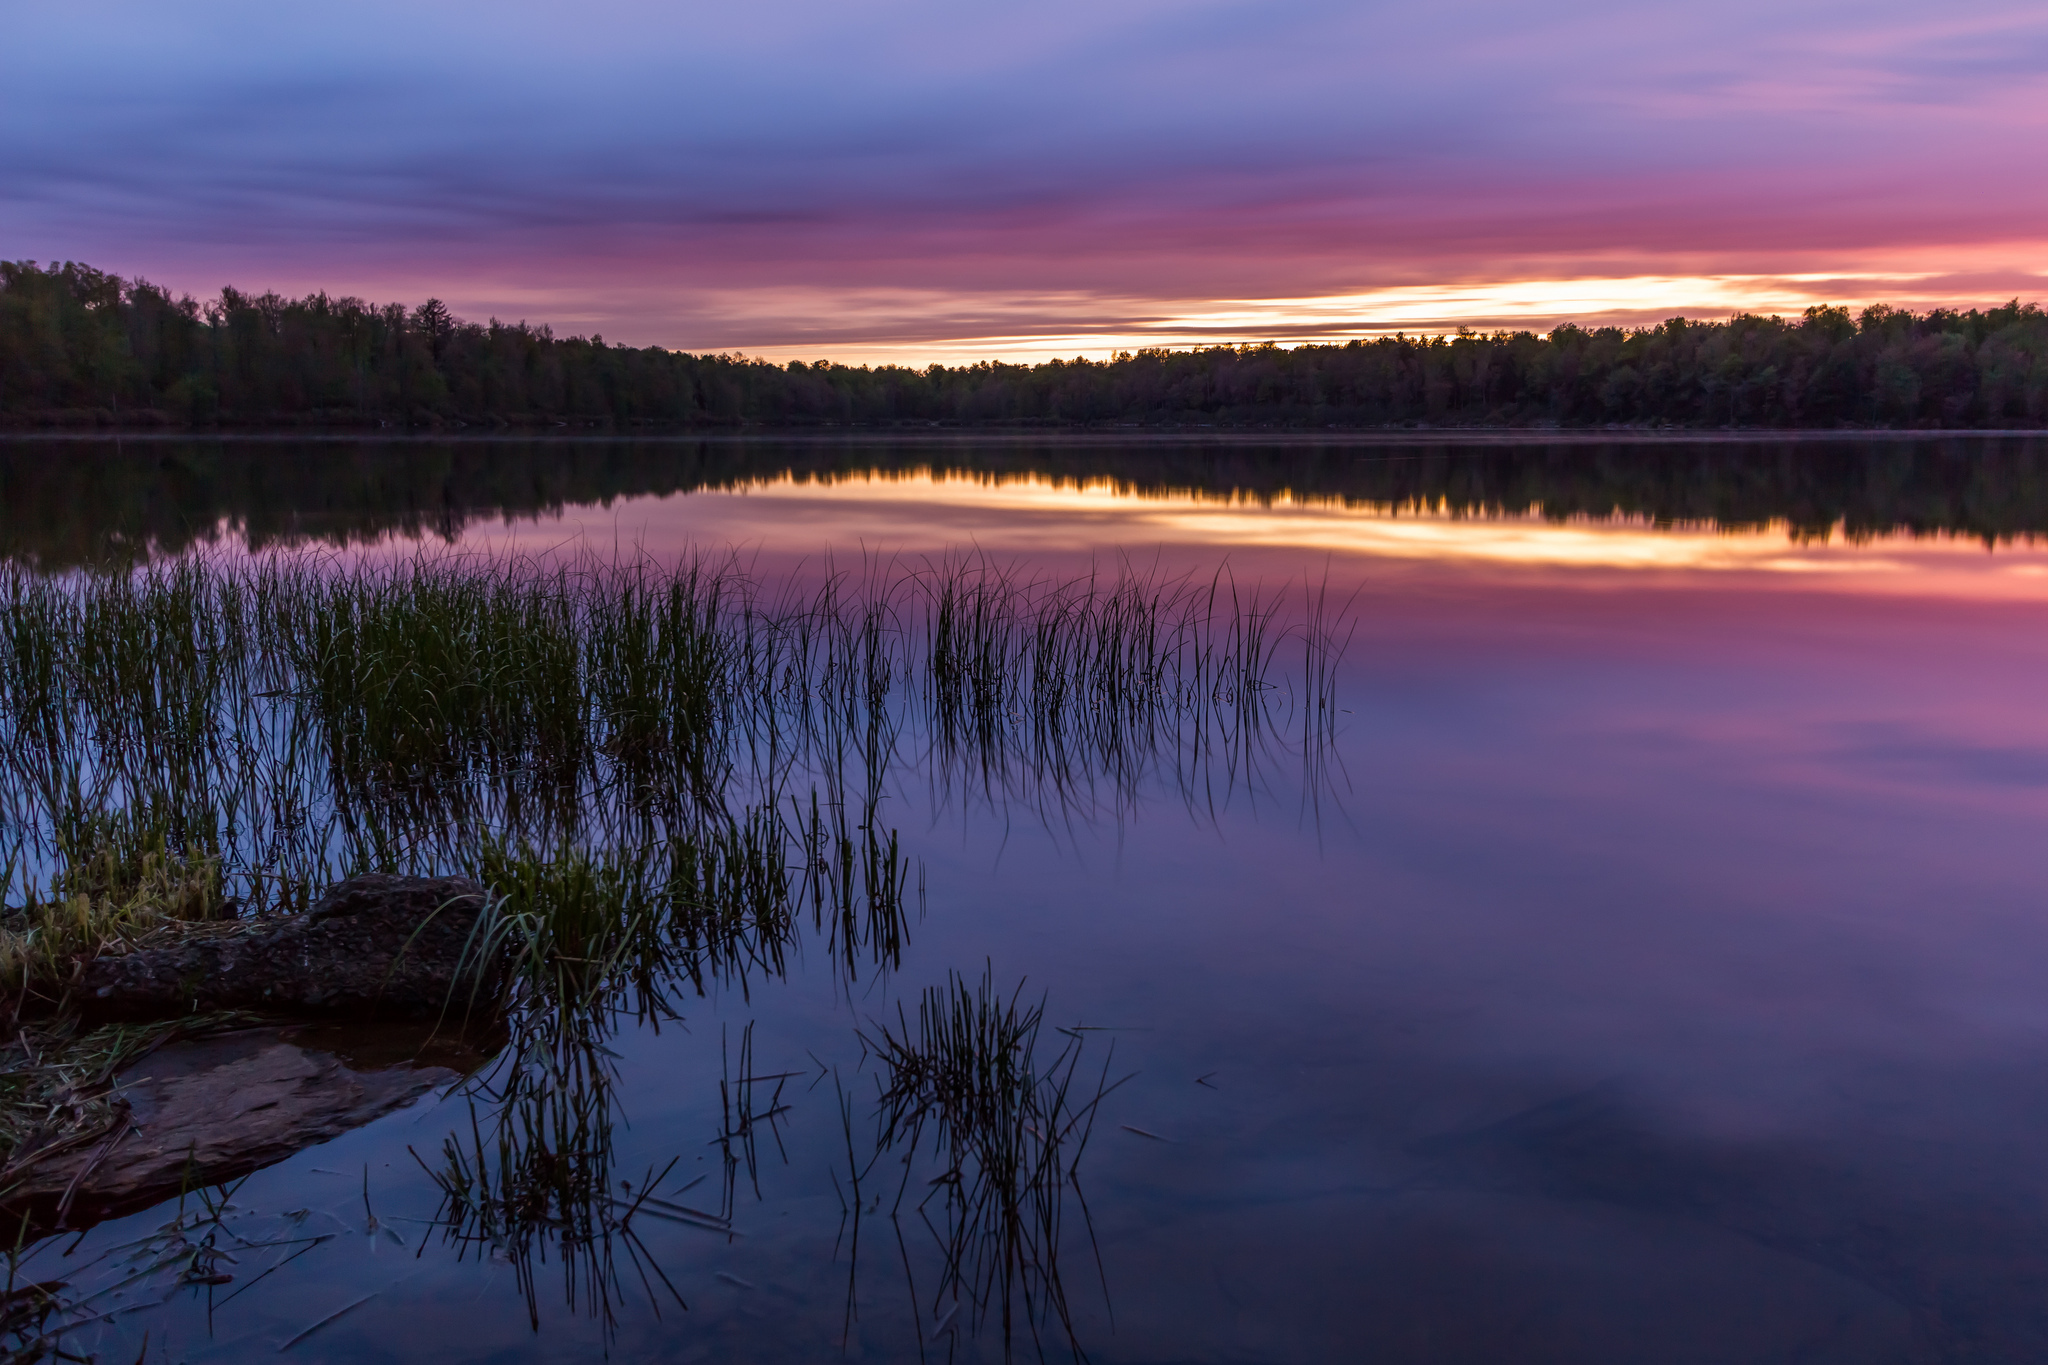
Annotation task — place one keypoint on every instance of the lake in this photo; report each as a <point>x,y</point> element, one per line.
<point>1610,927</point>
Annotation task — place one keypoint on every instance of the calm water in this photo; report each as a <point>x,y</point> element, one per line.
<point>1655,968</point>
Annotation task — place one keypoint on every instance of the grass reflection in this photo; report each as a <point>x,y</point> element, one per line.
<point>584,944</point>
<point>273,728</point>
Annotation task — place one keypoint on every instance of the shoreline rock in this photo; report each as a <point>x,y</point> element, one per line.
<point>205,1110</point>
<point>376,946</point>
<point>376,995</point>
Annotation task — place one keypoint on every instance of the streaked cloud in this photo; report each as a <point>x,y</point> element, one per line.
<point>1067,175</point>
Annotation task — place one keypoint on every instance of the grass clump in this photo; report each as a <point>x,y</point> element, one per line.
<point>967,1088</point>
<point>586,939</point>
<point>299,720</point>
<point>618,754</point>
<point>120,890</point>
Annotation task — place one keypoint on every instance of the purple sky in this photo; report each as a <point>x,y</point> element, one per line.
<point>925,180</point>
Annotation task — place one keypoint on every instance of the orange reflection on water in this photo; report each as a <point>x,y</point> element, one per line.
<point>1033,516</point>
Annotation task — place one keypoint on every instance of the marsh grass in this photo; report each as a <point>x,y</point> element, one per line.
<point>293,720</point>
<point>532,1181</point>
<point>748,1104</point>
<point>857,885</point>
<point>967,1089</point>
<point>591,940</point>
<point>122,889</point>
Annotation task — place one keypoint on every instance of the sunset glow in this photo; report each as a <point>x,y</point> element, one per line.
<point>1428,310</point>
<point>906,183</point>
<point>1366,674</point>
<point>782,519</point>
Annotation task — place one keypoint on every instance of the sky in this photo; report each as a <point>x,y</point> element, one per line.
<point>905,180</point>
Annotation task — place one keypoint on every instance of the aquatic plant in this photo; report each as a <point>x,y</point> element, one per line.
<point>121,889</point>
<point>592,939</point>
<point>533,1181</point>
<point>966,1088</point>
<point>293,721</point>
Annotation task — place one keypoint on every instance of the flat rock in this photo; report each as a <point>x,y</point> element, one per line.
<point>207,1110</point>
<point>375,946</point>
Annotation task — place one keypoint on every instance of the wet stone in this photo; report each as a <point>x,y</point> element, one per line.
<point>198,1112</point>
<point>374,946</point>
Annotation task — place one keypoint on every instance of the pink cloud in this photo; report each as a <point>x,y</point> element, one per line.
<point>778,176</point>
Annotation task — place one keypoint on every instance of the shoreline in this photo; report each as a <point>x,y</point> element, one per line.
<point>936,434</point>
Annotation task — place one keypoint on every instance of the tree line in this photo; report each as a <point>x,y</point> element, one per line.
<point>82,347</point>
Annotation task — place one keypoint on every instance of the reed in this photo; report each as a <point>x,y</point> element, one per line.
<point>614,928</point>
<point>592,938</point>
<point>119,887</point>
<point>532,1181</point>
<point>294,720</point>
<point>967,1087</point>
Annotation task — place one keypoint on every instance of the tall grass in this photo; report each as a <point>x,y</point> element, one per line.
<point>293,721</point>
<point>966,1088</point>
<point>117,888</point>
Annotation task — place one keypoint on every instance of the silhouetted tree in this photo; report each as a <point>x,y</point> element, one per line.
<point>432,321</point>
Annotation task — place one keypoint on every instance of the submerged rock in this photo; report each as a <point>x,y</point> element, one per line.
<point>201,1111</point>
<point>374,946</point>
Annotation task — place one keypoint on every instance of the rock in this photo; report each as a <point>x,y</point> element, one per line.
<point>375,946</point>
<point>203,1111</point>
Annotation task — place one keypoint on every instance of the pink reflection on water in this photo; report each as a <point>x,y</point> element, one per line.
<point>785,524</point>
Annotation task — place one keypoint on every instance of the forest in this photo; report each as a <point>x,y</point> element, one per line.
<point>82,348</point>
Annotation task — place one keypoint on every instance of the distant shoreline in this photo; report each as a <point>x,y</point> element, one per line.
<point>948,434</point>
<point>80,348</point>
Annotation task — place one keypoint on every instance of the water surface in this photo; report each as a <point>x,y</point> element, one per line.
<point>1653,966</point>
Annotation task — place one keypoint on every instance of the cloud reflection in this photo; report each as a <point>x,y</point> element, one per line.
<point>847,517</point>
